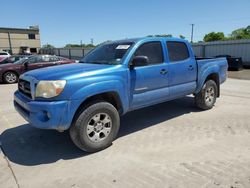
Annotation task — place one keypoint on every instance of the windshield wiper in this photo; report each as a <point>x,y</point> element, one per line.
<point>98,62</point>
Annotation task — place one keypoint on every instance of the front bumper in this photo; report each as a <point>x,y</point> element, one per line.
<point>43,114</point>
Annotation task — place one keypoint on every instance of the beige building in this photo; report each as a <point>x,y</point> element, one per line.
<point>18,41</point>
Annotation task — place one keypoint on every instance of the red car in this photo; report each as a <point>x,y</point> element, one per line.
<point>10,72</point>
<point>2,59</point>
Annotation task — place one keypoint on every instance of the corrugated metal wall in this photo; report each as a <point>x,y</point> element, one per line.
<point>239,48</point>
<point>72,53</point>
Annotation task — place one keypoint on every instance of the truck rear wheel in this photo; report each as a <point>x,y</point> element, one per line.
<point>95,127</point>
<point>206,98</point>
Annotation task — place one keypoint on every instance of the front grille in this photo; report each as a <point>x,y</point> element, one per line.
<point>24,87</point>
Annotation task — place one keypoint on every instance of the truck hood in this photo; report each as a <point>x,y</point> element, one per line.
<point>66,72</point>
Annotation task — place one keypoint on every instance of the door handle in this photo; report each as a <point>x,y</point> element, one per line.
<point>190,67</point>
<point>163,71</point>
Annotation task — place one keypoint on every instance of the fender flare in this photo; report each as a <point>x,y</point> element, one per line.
<point>205,74</point>
<point>98,88</point>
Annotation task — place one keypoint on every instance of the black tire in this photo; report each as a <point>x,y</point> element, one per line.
<point>205,99</point>
<point>79,129</point>
<point>10,77</point>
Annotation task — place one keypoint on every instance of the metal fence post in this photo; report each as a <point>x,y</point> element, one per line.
<point>69,53</point>
<point>11,52</point>
<point>204,50</point>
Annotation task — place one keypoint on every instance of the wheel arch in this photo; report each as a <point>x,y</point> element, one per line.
<point>112,97</point>
<point>211,75</point>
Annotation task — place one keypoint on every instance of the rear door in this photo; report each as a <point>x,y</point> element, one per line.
<point>182,69</point>
<point>149,84</point>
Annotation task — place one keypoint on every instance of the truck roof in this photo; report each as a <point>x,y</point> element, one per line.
<point>146,38</point>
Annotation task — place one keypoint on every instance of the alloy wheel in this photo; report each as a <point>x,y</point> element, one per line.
<point>99,127</point>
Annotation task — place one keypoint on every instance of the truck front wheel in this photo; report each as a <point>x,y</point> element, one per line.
<point>206,98</point>
<point>95,127</point>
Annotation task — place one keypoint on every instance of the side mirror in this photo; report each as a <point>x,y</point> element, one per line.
<point>139,61</point>
<point>26,64</point>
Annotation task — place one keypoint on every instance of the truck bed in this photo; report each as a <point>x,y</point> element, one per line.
<point>204,64</point>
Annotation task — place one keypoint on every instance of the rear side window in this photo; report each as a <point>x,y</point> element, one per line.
<point>3,53</point>
<point>54,58</point>
<point>153,50</point>
<point>177,51</point>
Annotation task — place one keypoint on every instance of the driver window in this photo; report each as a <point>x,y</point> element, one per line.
<point>33,60</point>
<point>153,50</point>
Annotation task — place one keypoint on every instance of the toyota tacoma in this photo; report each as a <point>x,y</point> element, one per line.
<point>89,97</point>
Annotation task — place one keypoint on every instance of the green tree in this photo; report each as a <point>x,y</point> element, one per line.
<point>182,37</point>
<point>214,36</point>
<point>48,46</point>
<point>89,45</point>
<point>104,42</point>
<point>241,33</point>
<point>72,45</point>
<point>160,35</point>
<point>79,46</point>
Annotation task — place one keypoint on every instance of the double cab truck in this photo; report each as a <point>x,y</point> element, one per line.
<point>89,97</point>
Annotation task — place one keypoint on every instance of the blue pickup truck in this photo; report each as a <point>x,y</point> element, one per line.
<point>89,97</point>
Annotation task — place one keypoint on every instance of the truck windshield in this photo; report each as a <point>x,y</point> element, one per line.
<point>110,54</point>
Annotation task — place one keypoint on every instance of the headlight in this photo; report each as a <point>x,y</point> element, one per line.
<point>49,89</point>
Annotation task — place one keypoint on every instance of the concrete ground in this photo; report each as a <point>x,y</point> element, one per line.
<point>167,145</point>
<point>242,74</point>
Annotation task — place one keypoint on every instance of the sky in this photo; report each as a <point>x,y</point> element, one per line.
<point>70,21</point>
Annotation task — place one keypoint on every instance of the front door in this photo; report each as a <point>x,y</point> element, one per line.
<point>34,62</point>
<point>149,84</point>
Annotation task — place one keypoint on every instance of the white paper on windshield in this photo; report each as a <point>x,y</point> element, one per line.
<point>122,47</point>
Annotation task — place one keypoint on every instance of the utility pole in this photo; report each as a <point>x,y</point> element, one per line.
<point>81,43</point>
<point>192,33</point>
<point>92,41</point>
<point>10,43</point>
